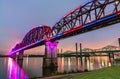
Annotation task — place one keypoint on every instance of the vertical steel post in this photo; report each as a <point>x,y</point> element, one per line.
<point>76,56</point>
<point>119,41</point>
<point>81,61</point>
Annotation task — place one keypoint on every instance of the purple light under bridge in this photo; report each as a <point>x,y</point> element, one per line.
<point>51,49</point>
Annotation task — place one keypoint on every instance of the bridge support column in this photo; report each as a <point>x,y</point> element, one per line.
<point>81,58</point>
<point>76,56</point>
<point>111,58</point>
<point>50,60</point>
<point>20,63</point>
<point>20,56</point>
<point>81,62</point>
<point>13,56</point>
<point>85,64</point>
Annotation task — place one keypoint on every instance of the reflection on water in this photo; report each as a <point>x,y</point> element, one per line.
<point>14,71</point>
<point>33,66</point>
<point>73,64</point>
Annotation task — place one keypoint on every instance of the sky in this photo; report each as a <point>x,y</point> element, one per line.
<point>19,16</point>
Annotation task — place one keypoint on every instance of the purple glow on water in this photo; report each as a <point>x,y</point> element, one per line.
<point>14,71</point>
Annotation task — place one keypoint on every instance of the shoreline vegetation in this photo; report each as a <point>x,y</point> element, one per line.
<point>112,72</point>
<point>4,56</point>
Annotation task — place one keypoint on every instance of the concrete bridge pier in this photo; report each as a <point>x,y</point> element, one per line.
<point>76,56</point>
<point>111,58</point>
<point>81,58</point>
<point>14,56</point>
<point>77,64</point>
<point>20,62</point>
<point>20,55</point>
<point>81,62</point>
<point>50,60</point>
<point>85,64</point>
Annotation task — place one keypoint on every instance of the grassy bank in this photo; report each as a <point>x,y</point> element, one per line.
<point>105,73</point>
<point>112,72</point>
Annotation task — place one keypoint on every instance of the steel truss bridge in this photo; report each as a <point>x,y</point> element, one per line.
<point>105,51</point>
<point>90,16</point>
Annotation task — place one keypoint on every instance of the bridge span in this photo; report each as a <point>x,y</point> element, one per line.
<point>90,16</point>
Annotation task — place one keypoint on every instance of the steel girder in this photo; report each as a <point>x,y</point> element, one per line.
<point>91,11</point>
<point>35,35</point>
<point>85,14</point>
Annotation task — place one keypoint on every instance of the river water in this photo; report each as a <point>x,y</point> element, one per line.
<point>32,66</point>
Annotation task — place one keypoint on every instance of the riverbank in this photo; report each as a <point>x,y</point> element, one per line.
<point>112,72</point>
<point>64,76</point>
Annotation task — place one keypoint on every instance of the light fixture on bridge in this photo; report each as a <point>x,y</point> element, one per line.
<point>39,25</point>
<point>89,21</point>
<point>118,13</point>
<point>116,2</point>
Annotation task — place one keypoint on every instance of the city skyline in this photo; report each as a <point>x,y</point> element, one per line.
<point>18,17</point>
